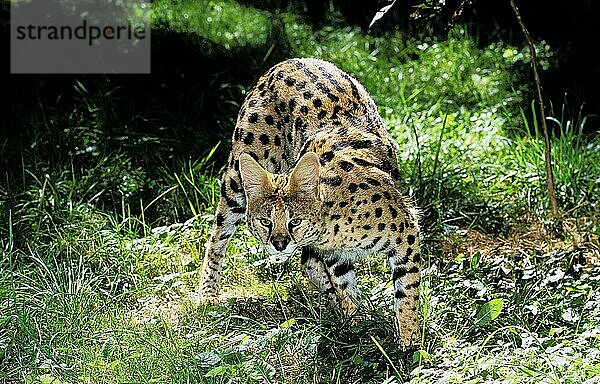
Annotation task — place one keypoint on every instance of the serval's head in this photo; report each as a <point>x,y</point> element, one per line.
<point>284,210</point>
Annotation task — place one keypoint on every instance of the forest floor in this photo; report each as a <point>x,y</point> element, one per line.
<point>104,215</point>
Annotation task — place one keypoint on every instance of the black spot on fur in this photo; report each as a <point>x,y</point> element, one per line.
<point>352,187</point>
<point>410,239</point>
<point>269,120</point>
<point>381,226</point>
<point>300,85</point>
<point>393,211</point>
<point>336,110</point>
<point>353,86</point>
<point>310,75</point>
<point>376,197</point>
<point>326,157</point>
<point>289,81</point>
<point>304,110</point>
<point>386,244</point>
<point>234,186</point>
<point>342,269</point>
<point>374,242</point>
<point>413,285</point>
<point>305,255</point>
<point>323,88</point>
<point>399,272</point>
<point>253,118</point>
<point>317,103</point>
<point>361,144</point>
<point>333,97</point>
<point>220,219</point>
<point>346,165</point>
<point>363,162</point>
<point>264,139</point>
<point>249,139</point>
<point>330,262</point>
<point>277,140</point>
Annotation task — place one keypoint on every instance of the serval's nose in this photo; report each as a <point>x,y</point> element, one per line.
<point>280,242</point>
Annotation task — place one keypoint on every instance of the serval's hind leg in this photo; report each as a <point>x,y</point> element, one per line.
<point>404,264</point>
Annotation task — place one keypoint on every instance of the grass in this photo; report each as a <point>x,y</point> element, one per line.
<point>225,23</point>
<point>103,220</point>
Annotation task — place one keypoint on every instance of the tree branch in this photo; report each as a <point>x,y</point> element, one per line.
<point>547,144</point>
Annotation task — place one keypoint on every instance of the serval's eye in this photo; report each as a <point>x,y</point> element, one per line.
<point>265,222</point>
<point>295,222</point>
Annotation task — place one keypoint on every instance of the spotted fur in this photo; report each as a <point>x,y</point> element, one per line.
<point>315,170</point>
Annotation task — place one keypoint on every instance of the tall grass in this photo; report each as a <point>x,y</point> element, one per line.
<point>575,157</point>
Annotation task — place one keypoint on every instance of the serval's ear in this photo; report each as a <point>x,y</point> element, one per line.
<point>254,177</point>
<point>305,175</point>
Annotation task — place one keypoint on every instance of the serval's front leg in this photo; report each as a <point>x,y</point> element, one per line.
<point>342,277</point>
<point>405,260</point>
<point>229,213</point>
<point>334,277</point>
<point>317,273</point>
